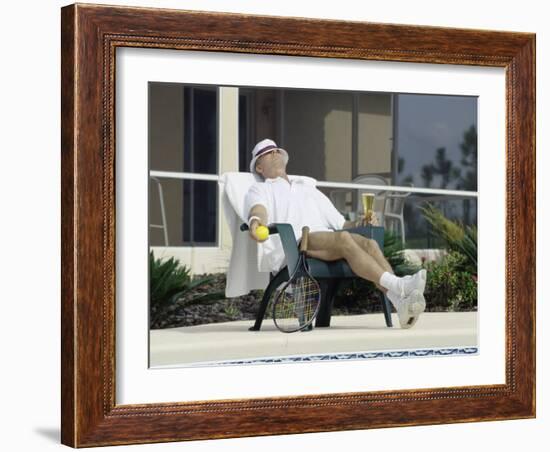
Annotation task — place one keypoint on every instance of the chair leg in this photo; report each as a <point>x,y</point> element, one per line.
<point>386,306</point>
<point>275,282</point>
<point>328,289</point>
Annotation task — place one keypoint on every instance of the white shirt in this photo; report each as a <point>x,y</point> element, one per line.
<point>298,203</point>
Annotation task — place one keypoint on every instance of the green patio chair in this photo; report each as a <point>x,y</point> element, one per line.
<point>328,274</point>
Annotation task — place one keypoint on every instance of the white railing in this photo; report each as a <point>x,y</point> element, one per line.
<point>326,184</point>
<point>179,175</point>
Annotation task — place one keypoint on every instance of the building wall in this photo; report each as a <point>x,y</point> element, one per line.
<point>375,133</point>
<point>229,160</point>
<point>317,130</point>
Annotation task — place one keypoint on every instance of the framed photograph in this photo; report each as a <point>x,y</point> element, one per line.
<point>171,327</point>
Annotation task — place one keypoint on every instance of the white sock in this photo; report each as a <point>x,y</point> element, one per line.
<point>403,286</point>
<point>391,282</point>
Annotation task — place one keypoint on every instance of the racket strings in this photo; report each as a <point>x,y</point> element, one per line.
<point>297,304</point>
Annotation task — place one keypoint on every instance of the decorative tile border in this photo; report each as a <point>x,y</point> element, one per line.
<point>385,354</point>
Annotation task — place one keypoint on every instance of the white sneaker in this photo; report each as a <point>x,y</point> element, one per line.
<point>414,282</point>
<point>394,298</point>
<point>410,308</point>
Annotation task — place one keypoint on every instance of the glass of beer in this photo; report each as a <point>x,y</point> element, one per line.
<point>368,205</point>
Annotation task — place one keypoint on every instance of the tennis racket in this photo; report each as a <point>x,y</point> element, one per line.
<point>297,302</point>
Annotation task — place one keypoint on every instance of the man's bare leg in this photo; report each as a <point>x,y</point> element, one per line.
<point>371,247</point>
<point>330,246</point>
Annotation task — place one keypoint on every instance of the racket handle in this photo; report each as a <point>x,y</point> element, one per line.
<point>305,237</point>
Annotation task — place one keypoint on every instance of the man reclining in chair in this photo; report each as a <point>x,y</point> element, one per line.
<point>277,199</point>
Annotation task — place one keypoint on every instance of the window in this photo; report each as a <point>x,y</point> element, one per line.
<point>424,146</point>
<point>183,140</point>
<point>199,226</point>
<point>402,140</point>
<point>436,146</point>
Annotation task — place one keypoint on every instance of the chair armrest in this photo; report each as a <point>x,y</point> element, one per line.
<point>288,240</point>
<point>272,228</point>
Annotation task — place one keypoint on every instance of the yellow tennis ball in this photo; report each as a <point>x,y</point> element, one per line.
<point>262,232</point>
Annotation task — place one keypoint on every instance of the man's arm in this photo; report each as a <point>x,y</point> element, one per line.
<point>349,224</point>
<point>259,211</point>
<point>361,222</point>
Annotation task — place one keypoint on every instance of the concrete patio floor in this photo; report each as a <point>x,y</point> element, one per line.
<point>360,333</point>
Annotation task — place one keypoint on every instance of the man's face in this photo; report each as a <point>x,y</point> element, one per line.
<point>270,164</point>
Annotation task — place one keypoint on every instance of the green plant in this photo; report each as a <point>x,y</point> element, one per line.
<point>457,237</point>
<point>171,283</point>
<point>393,252</point>
<point>449,287</point>
<point>231,310</point>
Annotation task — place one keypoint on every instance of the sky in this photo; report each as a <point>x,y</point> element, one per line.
<point>427,122</point>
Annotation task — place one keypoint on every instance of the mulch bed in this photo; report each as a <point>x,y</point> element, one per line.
<point>246,306</point>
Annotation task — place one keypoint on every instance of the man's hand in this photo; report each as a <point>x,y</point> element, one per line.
<point>260,213</point>
<point>361,221</point>
<point>254,224</point>
<point>372,219</point>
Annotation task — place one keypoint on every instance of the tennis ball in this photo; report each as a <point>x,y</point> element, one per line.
<point>262,232</point>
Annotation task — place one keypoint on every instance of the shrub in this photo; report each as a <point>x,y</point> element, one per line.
<point>169,283</point>
<point>449,287</point>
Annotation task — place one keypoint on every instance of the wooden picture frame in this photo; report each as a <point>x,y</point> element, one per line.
<point>90,36</point>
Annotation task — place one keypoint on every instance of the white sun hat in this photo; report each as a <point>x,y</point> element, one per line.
<point>261,148</point>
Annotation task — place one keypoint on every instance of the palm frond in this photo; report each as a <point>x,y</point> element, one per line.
<point>393,252</point>
<point>170,282</point>
<point>456,236</point>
